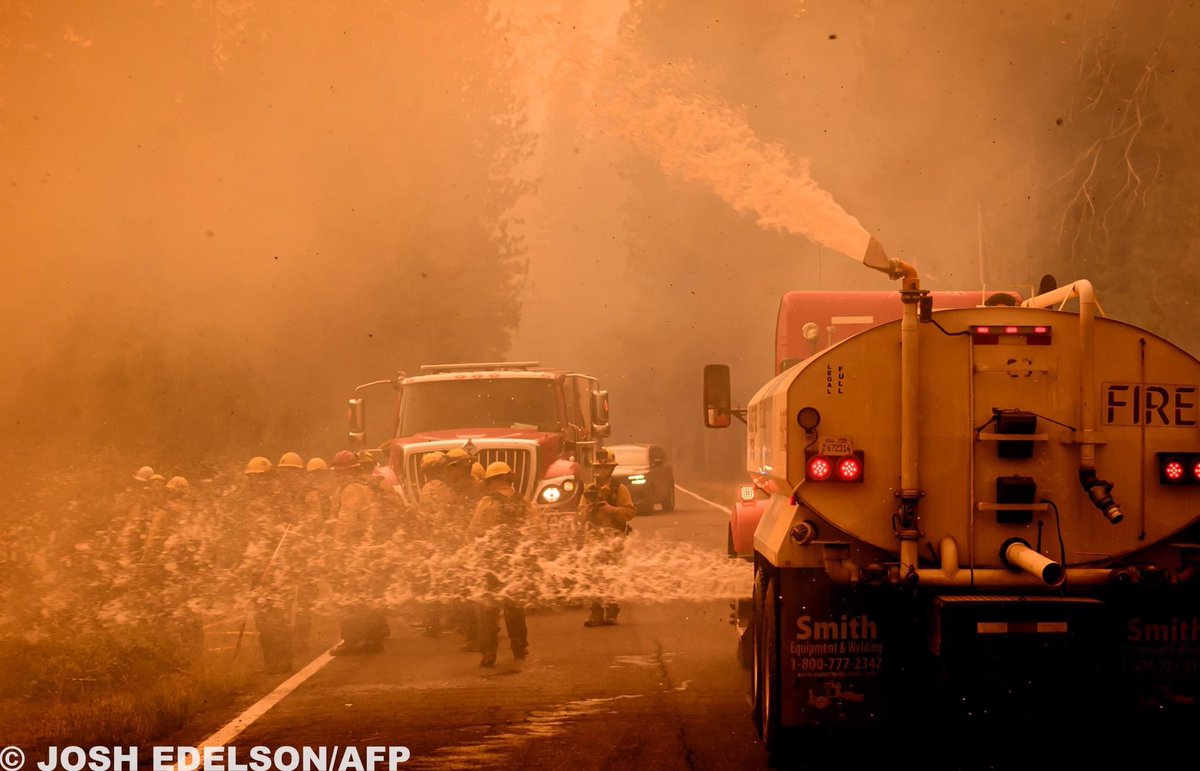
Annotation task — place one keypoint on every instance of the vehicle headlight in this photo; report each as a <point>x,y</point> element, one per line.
<point>550,494</point>
<point>637,479</point>
<point>569,486</point>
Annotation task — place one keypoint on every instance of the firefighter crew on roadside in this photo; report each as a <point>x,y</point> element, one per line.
<point>498,518</point>
<point>357,520</point>
<point>605,508</point>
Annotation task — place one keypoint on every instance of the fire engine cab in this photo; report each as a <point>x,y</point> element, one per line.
<point>542,422</point>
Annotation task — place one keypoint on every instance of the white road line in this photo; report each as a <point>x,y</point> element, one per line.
<point>240,723</point>
<point>725,509</point>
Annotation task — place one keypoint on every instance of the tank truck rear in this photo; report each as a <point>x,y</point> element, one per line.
<point>997,504</point>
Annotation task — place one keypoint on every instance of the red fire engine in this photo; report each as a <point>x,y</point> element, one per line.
<point>542,422</point>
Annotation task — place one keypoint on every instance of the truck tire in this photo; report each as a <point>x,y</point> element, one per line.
<point>770,728</point>
<point>756,658</point>
<point>668,503</point>
<point>729,541</point>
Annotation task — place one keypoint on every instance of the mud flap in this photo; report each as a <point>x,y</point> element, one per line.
<point>1023,657</point>
<point>836,650</point>
<point>1160,650</point>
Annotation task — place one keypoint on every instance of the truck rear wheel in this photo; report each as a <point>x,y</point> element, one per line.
<point>756,654</point>
<point>769,726</point>
<point>668,503</point>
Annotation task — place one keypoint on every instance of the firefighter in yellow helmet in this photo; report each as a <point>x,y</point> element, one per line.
<point>435,493</point>
<point>357,524</point>
<point>177,538</point>
<point>266,565</point>
<point>306,520</point>
<point>459,475</point>
<point>498,519</point>
<point>605,508</point>
<point>467,490</point>
<point>322,486</point>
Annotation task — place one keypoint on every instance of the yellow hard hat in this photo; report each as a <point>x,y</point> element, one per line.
<point>604,458</point>
<point>316,464</point>
<point>143,474</point>
<point>291,460</point>
<point>456,455</point>
<point>433,460</point>
<point>177,483</point>
<point>477,471</point>
<point>258,465</point>
<point>497,469</point>
<point>157,478</point>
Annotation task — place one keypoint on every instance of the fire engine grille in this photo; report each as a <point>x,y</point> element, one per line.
<point>518,458</point>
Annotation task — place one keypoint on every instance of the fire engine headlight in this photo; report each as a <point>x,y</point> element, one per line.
<point>550,494</point>
<point>569,486</point>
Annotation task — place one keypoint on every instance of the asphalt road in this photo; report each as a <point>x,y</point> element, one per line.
<point>660,690</point>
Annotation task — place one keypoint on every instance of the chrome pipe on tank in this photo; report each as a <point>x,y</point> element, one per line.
<point>999,578</point>
<point>1098,490</point>
<point>843,570</point>
<point>1017,553</point>
<point>1088,305</point>
<point>949,556</point>
<point>910,492</point>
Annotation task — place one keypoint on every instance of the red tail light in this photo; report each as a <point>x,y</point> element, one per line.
<point>1010,334</point>
<point>835,468</point>
<point>820,468</point>
<point>849,468</point>
<point>1175,468</point>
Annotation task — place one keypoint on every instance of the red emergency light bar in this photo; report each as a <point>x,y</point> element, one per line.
<point>834,468</point>
<point>1176,468</point>
<point>1010,334</point>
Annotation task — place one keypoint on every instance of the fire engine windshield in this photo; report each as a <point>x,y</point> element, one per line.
<point>443,405</point>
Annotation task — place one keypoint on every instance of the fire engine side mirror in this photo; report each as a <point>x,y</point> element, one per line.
<point>356,416</point>
<point>600,417</point>
<point>718,397</point>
